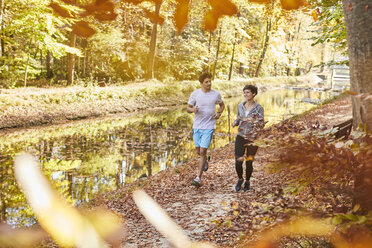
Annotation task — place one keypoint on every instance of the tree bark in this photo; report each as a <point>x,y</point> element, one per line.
<point>358,19</point>
<point>267,36</point>
<point>2,46</point>
<point>232,56</point>
<point>71,61</point>
<point>49,73</point>
<point>217,52</point>
<point>151,58</point>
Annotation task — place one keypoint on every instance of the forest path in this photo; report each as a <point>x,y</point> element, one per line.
<point>215,212</point>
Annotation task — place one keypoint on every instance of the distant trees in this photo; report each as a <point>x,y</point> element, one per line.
<point>39,42</point>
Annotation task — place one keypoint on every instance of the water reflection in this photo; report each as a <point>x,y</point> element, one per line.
<point>86,158</point>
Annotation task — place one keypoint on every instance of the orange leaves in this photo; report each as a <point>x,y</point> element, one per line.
<point>60,10</point>
<point>102,10</point>
<point>261,1</point>
<point>315,13</point>
<point>181,15</point>
<point>83,29</point>
<point>292,4</point>
<point>154,17</point>
<point>219,8</point>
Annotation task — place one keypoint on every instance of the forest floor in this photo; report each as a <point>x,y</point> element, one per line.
<point>215,212</point>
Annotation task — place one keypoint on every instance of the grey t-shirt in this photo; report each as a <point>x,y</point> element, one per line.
<point>206,101</point>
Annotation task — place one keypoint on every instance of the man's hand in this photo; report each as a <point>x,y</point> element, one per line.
<point>196,109</point>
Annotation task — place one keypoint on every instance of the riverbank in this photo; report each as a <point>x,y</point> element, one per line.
<point>24,107</point>
<point>215,212</point>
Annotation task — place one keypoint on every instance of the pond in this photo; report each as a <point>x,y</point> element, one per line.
<point>84,158</point>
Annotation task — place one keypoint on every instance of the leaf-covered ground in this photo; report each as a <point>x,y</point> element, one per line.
<point>215,212</point>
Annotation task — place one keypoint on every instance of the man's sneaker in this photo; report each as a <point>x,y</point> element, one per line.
<point>196,183</point>
<point>238,186</point>
<point>206,165</point>
<point>247,186</point>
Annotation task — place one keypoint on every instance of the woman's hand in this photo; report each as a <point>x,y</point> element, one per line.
<point>234,124</point>
<point>217,115</point>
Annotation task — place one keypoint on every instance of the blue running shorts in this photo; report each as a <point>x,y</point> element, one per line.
<point>202,137</point>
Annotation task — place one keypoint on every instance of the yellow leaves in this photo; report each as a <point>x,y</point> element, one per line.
<point>159,218</point>
<point>249,158</point>
<point>301,226</point>
<point>234,205</point>
<point>63,222</point>
<point>315,15</point>
<point>181,14</point>
<point>219,8</point>
<point>162,222</point>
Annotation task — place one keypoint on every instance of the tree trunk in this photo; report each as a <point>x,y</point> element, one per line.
<point>218,50</point>
<point>151,58</point>
<point>1,27</point>
<point>26,70</point>
<point>241,68</point>
<point>232,56</point>
<point>49,73</point>
<point>71,61</point>
<point>358,19</point>
<point>267,36</point>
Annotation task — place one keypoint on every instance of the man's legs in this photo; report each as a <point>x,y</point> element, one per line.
<point>202,139</point>
<point>203,158</point>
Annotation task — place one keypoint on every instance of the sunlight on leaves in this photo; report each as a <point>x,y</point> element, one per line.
<point>301,226</point>
<point>63,222</point>
<point>21,237</point>
<point>162,222</point>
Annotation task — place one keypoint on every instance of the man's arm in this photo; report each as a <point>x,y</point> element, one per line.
<point>220,110</point>
<point>192,109</point>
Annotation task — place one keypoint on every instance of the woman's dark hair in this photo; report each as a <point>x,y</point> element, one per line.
<point>250,87</point>
<point>203,76</point>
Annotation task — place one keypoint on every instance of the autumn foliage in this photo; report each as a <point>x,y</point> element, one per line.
<point>104,10</point>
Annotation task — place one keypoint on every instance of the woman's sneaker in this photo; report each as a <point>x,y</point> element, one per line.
<point>238,186</point>
<point>247,186</point>
<point>206,165</point>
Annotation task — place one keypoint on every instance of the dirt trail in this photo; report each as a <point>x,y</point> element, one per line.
<point>214,212</point>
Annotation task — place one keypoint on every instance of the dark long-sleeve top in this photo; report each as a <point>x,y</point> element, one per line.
<point>249,129</point>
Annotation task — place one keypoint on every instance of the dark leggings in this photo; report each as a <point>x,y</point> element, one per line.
<point>241,146</point>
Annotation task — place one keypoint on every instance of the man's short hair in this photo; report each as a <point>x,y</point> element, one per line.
<point>204,75</point>
<point>250,87</point>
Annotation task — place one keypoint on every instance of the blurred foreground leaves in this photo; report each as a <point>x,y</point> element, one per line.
<point>104,10</point>
<point>65,224</point>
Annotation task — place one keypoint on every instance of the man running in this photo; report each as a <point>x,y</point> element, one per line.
<point>203,103</point>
